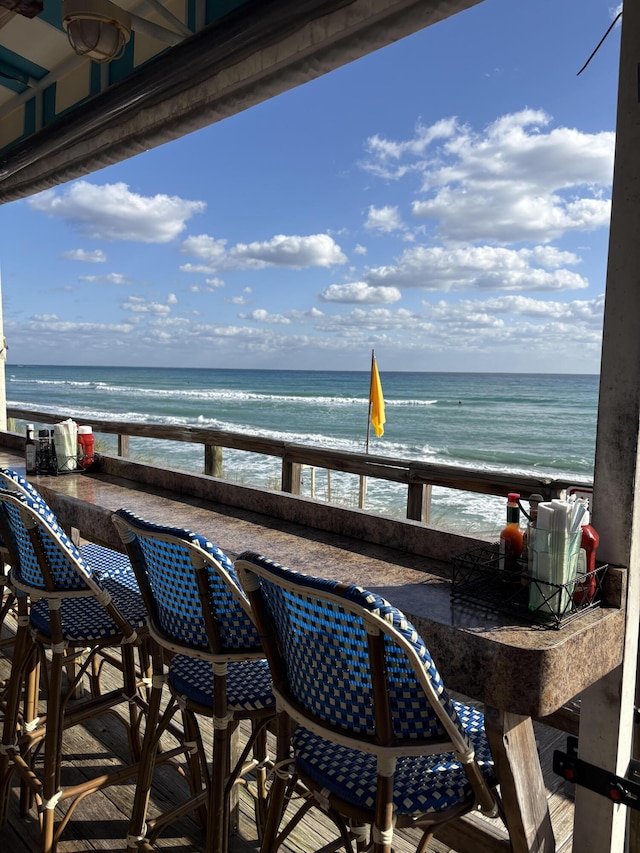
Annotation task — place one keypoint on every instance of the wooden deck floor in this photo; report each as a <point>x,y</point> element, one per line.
<point>101,821</point>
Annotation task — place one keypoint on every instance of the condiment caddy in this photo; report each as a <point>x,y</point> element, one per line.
<point>64,449</point>
<point>546,572</point>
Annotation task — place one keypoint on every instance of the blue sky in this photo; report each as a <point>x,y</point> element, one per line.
<point>444,200</point>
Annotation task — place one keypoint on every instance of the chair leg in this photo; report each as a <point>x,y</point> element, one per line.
<point>23,647</point>
<point>30,718</point>
<point>198,771</point>
<point>260,755</point>
<point>424,842</point>
<point>218,810</point>
<point>131,691</point>
<point>147,761</point>
<point>278,789</point>
<point>52,751</point>
<point>382,829</point>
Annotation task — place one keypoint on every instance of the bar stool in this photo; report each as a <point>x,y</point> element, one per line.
<point>67,614</point>
<point>199,620</point>
<point>364,720</point>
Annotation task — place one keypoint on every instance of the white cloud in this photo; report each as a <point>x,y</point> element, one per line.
<point>261,315</point>
<point>480,267</point>
<point>50,326</point>
<point>109,278</point>
<point>315,250</point>
<point>114,212</point>
<point>210,286</point>
<point>139,305</point>
<point>470,329</point>
<point>360,291</point>
<point>304,316</point>
<point>385,218</point>
<point>386,156</point>
<point>589,311</point>
<point>96,256</point>
<point>512,182</point>
<point>208,249</point>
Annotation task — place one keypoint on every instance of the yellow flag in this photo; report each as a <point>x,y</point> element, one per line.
<point>377,400</point>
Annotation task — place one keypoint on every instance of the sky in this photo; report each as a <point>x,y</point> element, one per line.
<point>444,201</point>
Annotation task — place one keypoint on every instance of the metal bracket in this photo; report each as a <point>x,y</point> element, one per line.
<point>620,789</point>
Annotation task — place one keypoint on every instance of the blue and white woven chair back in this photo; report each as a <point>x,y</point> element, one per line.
<point>322,627</point>
<point>11,481</point>
<point>170,555</point>
<point>68,570</point>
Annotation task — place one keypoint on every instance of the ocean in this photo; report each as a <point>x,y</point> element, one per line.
<point>537,424</point>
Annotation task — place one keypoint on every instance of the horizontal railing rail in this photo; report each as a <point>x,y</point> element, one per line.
<point>419,477</point>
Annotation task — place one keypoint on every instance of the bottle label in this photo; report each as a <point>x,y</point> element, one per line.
<point>510,550</point>
<point>513,515</point>
<point>30,457</point>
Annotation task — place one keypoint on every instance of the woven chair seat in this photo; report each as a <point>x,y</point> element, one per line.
<point>107,563</point>
<point>248,683</point>
<point>422,784</point>
<point>84,620</point>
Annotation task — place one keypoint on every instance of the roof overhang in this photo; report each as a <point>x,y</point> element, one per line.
<point>258,50</point>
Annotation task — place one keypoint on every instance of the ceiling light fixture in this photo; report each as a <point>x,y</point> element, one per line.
<point>96,28</point>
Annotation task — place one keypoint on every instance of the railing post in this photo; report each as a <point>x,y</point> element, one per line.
<point>123,446</point>
<point>213,460</point>
<point>419,502</point>
<point>291,477</point>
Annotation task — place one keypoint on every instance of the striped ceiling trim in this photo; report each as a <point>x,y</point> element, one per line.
<point>63,116</point>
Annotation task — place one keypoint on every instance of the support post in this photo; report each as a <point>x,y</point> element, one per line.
<point>3,359</point>
<point>606,717</point>
<point>419,502</point>
<point>213,460</point>
<point>291,477</point>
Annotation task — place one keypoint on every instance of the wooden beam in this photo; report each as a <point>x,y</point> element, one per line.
<point>262,49</point>
<point>606,717</point>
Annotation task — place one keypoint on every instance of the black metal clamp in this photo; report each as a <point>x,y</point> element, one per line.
<point>620,789</point>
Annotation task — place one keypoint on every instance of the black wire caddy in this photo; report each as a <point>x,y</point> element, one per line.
<point>49,461</point>
<point>479,576</point>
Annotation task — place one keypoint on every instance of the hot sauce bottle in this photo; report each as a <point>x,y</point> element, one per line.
<point>509,567</point>
<point>585,590</point>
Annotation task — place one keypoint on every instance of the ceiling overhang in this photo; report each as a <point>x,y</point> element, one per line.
<point>258,50</point>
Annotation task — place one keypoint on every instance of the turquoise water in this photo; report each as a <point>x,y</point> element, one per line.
<point>525,423</point>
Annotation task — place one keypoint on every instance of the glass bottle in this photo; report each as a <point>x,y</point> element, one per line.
<point>528,537</point>
<point>30,450</point>
<point>509,566</point>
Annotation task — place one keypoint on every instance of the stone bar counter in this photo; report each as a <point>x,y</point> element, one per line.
<point>519,671</point>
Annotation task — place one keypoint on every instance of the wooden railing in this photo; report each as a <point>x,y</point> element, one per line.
<point>419,477</point>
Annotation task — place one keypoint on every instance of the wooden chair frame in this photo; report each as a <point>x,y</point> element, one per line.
<point>45,660</point>
<point>225,772</point>
<point>265,582</point>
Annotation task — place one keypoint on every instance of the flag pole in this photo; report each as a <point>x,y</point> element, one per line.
<point>362,491</point>
<point>373,361</point>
